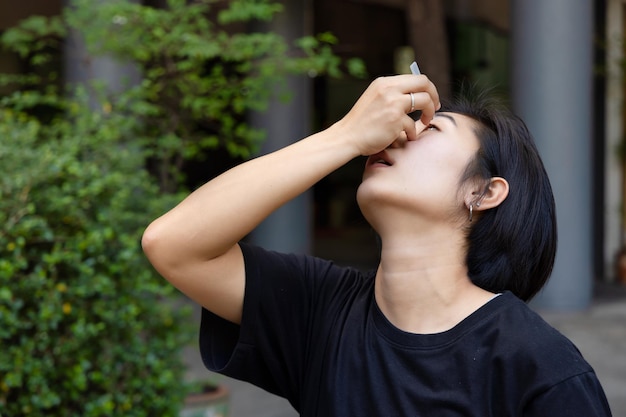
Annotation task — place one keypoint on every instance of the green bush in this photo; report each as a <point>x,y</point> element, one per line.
<point>204,65</point>
<point>85,325</point>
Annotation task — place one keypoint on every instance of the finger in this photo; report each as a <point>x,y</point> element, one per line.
<point>424,102</point>
<point>409,127</point>
<point>430,88</point>
<point>419,83</point>
<point>434,94</point>
<point>412,104</point>
<point>428,112</point>
<point>419,126</point>
<point>426,118</point>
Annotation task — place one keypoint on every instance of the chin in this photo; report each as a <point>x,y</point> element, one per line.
<point>379,203</point>
<point>363,194</point>
<point>371,201</point>
<point>374,193</point>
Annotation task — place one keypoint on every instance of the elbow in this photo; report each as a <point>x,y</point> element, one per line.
<point>149,241</point>
<point>154,243</point>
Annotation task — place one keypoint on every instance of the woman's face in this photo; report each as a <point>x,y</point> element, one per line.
<point>422,176</point>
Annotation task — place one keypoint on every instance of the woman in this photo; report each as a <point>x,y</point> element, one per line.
<point>465,214</point>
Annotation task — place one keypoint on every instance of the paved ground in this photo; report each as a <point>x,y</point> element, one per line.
<point>599,332</point>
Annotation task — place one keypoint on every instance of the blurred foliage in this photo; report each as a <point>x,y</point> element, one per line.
<point>87,328</point>
<point>85,325</point>
<point>202,69</point>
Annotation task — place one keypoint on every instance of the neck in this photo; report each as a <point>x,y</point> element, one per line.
<point>422,284</point>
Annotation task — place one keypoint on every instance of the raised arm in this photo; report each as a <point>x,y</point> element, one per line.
<point>194,246</point>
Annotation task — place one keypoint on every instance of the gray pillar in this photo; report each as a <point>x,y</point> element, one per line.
<point>552,92</point>
<point>289,228</point>
<point>81,67</point>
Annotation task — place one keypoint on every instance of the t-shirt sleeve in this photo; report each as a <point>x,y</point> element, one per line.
<point>284,301</point>
<point>578,396</point>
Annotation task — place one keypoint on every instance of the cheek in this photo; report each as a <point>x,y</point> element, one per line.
<point>435,176</point>
<point>435,168</point>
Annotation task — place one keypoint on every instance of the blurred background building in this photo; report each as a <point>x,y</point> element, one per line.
<point>559,63</point>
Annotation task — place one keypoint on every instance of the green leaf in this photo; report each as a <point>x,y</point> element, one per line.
<point>246,10</point>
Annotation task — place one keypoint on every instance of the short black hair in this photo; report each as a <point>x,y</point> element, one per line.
<point>512,246</point>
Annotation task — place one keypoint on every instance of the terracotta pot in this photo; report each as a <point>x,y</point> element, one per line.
<point>213,402</point>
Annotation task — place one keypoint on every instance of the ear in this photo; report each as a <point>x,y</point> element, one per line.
<point>494,195</point>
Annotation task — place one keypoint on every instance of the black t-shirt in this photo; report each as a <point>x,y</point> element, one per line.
<point>312,332</point>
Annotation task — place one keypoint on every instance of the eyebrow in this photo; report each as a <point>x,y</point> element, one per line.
<point>447,116</point>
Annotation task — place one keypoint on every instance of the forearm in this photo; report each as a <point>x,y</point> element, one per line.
<point>220,213</point>
<point>209,222</point>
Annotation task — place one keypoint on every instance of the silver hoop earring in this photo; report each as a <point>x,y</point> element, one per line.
<point>471,209</point>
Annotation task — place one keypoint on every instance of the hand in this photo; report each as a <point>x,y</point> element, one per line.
<point>380,115</point>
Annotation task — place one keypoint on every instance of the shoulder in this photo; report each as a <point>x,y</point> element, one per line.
<point>531,360</point>
<point>581,395</point>
<point>309,271</point>
<point>523,327</point>
<point>532,346</point>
